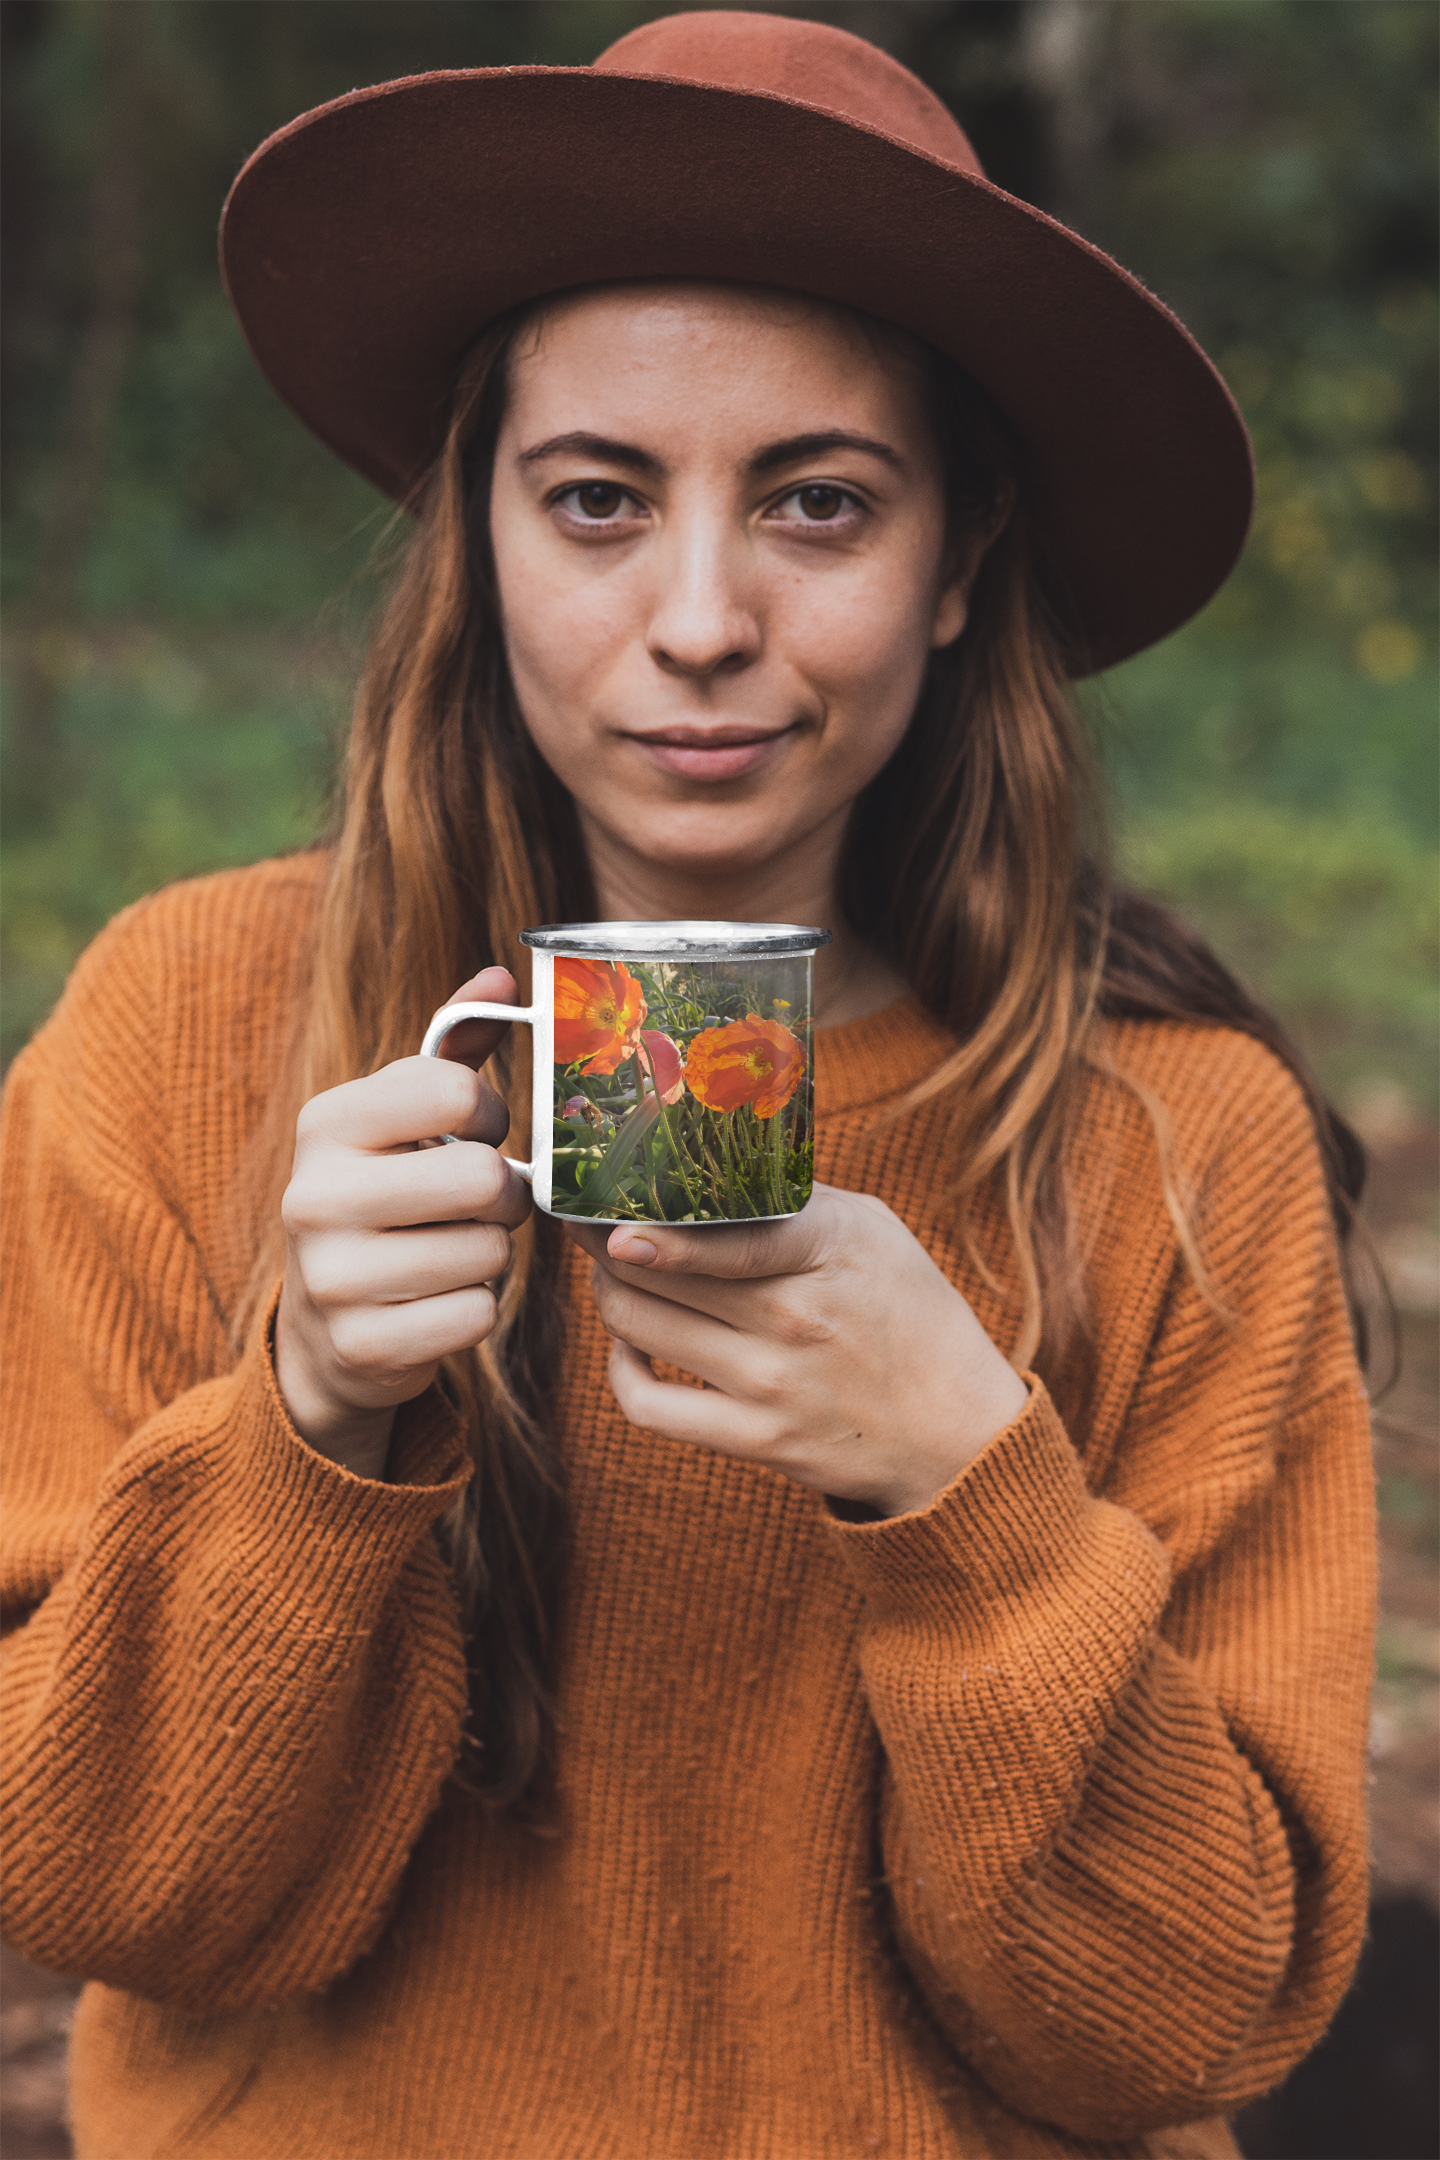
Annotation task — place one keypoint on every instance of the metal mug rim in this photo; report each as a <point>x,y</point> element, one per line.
<point>675,940</point>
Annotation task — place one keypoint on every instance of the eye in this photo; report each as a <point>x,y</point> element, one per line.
<point>596,502</point>
<point>820,503</point>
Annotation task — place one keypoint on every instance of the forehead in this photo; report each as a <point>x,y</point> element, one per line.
<point>717,349</point>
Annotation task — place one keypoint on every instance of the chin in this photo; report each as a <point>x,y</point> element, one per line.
<point>702,845</point>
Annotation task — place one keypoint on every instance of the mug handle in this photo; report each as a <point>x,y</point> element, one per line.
<point>450,1016</point>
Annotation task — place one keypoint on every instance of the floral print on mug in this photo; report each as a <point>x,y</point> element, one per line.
<point>682,1089</point>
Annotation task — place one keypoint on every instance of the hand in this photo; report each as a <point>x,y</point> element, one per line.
<point>392,1244</point>
<point>831,1346</point>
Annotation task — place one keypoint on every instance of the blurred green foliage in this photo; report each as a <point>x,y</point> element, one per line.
<point>187,575</point>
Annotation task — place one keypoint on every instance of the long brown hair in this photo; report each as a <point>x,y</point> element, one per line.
<point>972,861</point>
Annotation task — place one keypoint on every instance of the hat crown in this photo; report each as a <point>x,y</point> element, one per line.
<point>810,61</point>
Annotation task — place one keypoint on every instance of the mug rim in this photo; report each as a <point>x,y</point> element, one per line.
<point>674,940</point>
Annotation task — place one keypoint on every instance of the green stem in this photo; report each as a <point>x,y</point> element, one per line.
<point>744,1159</point>
<point>741,1142</point>
<point>680,1160</point>
<point>722,1119</point>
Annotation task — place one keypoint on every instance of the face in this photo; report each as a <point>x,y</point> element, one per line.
<point>719,533</point>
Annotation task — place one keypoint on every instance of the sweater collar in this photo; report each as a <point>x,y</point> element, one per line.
<point>875,1059</point>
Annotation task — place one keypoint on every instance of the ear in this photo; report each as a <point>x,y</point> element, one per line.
<point>952,609</point>
<point>963,560</point>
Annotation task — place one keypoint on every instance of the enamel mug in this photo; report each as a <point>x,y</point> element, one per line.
<point>674,1069</point>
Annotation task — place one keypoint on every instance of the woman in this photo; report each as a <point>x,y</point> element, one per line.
<point>939,1732</point>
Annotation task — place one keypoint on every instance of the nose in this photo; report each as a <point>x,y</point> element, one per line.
<point>705,620</point>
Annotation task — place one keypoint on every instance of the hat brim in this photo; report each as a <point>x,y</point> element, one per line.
<point>366,245</point>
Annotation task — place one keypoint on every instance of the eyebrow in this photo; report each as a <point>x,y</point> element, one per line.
<point>607,451</point>
<point>602,448</point>
<point>797,447</point>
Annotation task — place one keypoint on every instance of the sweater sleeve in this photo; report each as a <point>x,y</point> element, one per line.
<point>1123,1705</point>
<point>233,1680</point>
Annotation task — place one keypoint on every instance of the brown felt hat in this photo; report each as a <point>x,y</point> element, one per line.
<point>367,244</point>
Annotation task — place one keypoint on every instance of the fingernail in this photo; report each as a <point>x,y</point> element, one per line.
<point>637,1251</point>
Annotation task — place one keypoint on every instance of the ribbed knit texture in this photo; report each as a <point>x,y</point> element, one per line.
<point>1028,1825</point>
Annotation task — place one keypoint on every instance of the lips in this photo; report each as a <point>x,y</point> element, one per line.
<point>729,751</point>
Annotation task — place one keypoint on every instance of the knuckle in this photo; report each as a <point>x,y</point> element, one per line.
<point>327,1269</point>
<point>765,1384</point>
<point>463,1320</point>
<point>457,1087</point>
<point>494,1251</point>
<point>302,1207</point>
<point>488,1176</point>
<point>767,1437</point>
<point>354,1343</point>
<point>772,1391</point>
<point>619,1307</point>
<point>319,1276</point>
<point>681,1252</point>
<point>795,1320</point>
<point>606,1290</point>
<point>312,1119</point>
<point>621,1375</point>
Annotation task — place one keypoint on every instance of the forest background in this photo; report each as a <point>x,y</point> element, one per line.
<point>187,576</point>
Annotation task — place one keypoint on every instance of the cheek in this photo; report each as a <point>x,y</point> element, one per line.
<point>562,632</point>
<point>546,669</point>
<point>865,644</point>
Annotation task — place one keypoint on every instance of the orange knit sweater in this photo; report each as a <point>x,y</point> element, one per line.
<point>1027,1825</point>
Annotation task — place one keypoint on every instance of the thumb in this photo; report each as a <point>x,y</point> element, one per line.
<point>729,1251</point>
<point>471,1042</point>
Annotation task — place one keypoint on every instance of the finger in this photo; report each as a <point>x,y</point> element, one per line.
<point>732,1303</point>
<point>416,1098</point>
<point>722,1298</point>
<point>727,1251</point>
<point>352,1191</point>
<point>699,1416</point>
<point>491,1120</point>
<point>399,1265</point>
<point>471,1042</point>
<point>657,1327</point>
<point>384,1344</point>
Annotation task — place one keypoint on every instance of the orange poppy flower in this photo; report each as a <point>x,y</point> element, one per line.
<point>599,1007</point>
<point>751,1061</point>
